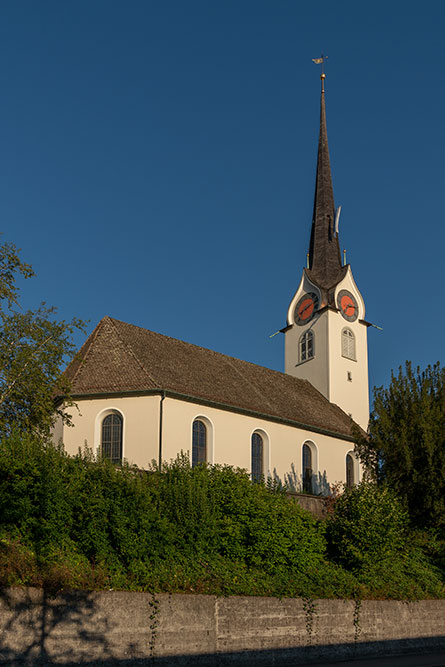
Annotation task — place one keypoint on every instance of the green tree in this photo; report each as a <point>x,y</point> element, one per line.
<point>368,526</point>
<point>369,535</point>
<point>34,347</point>
<point>405,448</point>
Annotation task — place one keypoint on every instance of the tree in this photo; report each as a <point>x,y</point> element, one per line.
<point>368,526</point>
<point>34,347</point>
<point>405,447</point>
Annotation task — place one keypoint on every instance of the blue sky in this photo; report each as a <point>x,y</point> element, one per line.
<point>157,163</point>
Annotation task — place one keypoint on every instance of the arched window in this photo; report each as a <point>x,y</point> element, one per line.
<point>257,457</point>
<point>307,469</point>
<point>348,344</point>
<point>111,441</point>
<point>350,481</point>
<point>306,345</point>
<point>199,443</point>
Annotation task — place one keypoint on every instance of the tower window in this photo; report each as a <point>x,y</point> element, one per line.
<point>199,443</point>
<point>257,457</point>
<point>307,345</point>
<point>349,376</point>
<point>348,344</point>
<point>112,438</point>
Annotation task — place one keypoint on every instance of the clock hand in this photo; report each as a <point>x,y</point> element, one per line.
<point>306,307</point>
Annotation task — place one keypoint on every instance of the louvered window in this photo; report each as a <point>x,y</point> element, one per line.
<point>348,344</point>
<point>112,438</point>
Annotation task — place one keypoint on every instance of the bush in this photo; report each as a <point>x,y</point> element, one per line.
<point>217,510</point>
<point>129,521</point>
<point>369,535</point>
<point>76,523</point>
<point>368,526</point>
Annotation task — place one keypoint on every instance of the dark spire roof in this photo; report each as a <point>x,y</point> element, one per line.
<point>325,267</point>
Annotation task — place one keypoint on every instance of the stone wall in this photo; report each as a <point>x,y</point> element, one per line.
<point>313,504</point>
<point>122,628</point>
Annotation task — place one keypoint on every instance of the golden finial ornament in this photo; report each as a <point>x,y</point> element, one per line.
<point>320,61</point>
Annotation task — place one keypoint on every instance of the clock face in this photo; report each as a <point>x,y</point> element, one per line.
<point>347,304</point>
<point>306,308</point>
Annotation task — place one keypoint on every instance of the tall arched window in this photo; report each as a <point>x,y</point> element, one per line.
<point>306,345</point>
<point>307,469</point>
<point>348,344</point>
<point>257,457</point>
<point>199,443</point>
<point>111,442</point>
<point>350,481</point>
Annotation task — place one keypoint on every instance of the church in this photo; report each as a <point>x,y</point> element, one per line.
<point>145,397</point>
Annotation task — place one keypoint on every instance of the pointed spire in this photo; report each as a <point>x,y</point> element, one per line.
<point>324,251</point>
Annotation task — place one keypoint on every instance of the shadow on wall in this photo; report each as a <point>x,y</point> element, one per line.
<point>318,483</point>
<point>135,629</point>
<point>32,620</point>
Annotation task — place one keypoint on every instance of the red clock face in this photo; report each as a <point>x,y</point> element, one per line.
<point>306,308</point>
<point>347,304</point>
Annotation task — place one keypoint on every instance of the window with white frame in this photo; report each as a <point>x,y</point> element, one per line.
<point>348,344</point>
<point>307,345</point>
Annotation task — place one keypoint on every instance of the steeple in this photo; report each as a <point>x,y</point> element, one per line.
<point>325,267</point>
<point>325,336</point>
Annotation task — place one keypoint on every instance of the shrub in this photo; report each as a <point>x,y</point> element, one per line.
<point>368,526</point>
<point>71,522</point>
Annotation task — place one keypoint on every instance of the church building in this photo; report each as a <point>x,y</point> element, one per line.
<point>146,397</point>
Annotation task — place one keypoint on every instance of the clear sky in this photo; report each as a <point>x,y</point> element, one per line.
<point>158,158</point>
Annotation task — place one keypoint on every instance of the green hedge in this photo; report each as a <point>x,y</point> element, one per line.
<point>71,522</point>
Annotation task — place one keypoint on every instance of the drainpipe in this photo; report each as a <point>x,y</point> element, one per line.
<point>161,416</point>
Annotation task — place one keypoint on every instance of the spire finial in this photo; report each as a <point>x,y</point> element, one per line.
<point>320,61</point>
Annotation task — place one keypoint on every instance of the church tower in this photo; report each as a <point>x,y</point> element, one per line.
<point>326,333</point>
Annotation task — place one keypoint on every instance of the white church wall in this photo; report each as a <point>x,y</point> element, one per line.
<point>229,438</point>
<point>140,426</point>
<point>348,381</point>
<point>230,443</point>
<point>341,380</point>
<point>316,369</point>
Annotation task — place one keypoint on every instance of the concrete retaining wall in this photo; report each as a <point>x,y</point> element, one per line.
<point>313,504</point>
<point>121,628</point>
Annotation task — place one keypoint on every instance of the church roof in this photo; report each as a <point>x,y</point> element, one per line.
<point>325,267</point>
<point>123,359</point>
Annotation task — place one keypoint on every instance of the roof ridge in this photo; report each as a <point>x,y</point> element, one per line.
<point>122,357</point>
<point>130,349</point>
<point>208,349</point>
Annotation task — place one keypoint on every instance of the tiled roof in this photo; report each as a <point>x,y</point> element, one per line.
<point>121,358</point>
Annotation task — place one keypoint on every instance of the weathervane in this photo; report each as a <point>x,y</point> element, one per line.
<point>320,61</point>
